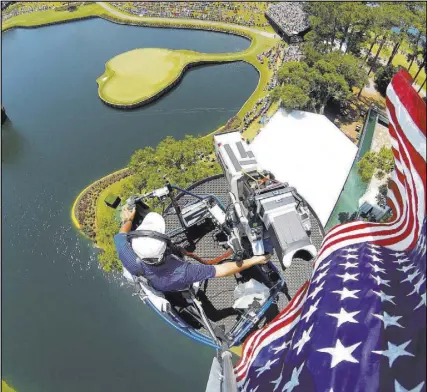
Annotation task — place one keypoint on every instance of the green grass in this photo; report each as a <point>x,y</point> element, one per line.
<point>40,18</point>
<point>135,76</point>
<point>102,210</point>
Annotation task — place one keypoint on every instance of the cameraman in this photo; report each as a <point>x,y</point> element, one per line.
<point>166,271</point>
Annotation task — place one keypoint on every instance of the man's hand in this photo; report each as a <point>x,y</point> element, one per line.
<point>127,215</point>
<point>228,269</point>
<point>264,259</point>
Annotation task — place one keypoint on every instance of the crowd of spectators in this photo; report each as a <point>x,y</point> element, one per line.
<point>16,9</point>
<point>242,13</point>
<point>260,109</point>
<point>289,16</point>
<point>293,53</point>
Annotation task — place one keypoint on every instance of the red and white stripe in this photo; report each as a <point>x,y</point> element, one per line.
<point>279,327</point>
<point>407,115</point>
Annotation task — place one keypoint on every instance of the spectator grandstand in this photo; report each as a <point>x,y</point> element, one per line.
<point>242,13</point>
<point>289,19</point>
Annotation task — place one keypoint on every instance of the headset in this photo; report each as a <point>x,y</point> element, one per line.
<point>171,248</point>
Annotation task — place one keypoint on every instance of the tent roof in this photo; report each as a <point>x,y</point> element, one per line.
<point>310,153</point>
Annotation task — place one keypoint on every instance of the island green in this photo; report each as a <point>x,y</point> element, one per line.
<point>141,75</point>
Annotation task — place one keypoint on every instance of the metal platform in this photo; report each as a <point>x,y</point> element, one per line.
<point>220,290</point>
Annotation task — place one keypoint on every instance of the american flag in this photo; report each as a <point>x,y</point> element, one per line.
<point>359,324</point>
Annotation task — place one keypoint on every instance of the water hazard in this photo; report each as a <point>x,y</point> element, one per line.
<point>67,326</point>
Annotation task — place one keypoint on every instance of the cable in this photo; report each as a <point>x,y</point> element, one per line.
<point>256,181</point>
<point>266,178</point>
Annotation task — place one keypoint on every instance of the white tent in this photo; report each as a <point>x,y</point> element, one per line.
<point>310,153</point>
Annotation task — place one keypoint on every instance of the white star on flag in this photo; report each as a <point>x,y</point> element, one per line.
<point>377,269</point>
<point>344,317</point>
<point>395,352</point>
<point>245,385</point>
<point>316,291</point>
<point>345,293</point>
<point>375,252</point>
<point>380,281</point>
<point>282,346</point>
<point>266,367</point>
<point>411,277</point>
<point>294,381</point>
<point>304,339</point>
<point>324,265</point>
<point>399,388</point>
<point>349,265</point>
<point>349,256</point>
<point>417,286</point>
<point>348,276</point>
<point>389,320</point>
<point>401,261</point>
<point>278,380</point>
<point>312,309</point>
<point>398,254</point>
<point>374,246</point>
<point>320,276</point>
<point>375,258</point>
<point>405,269</point>
<point>384,296</point>
<point>423,301</point>
<point>348,250</point>
<point>340,353</point>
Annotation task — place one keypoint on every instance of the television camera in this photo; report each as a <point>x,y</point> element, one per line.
<point>264,214</point>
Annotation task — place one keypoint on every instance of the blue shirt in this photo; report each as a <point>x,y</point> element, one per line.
<point>173,274</point>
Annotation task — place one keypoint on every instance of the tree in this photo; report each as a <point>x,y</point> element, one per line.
<point>388,17</point>
<point>349,66</point>
<point>323,22</point>
<point>314,84</point>
<point>345,217</point>
<point>417,39</point>
<point>331,85</point>
<point>366,166</point>
<point>383,77</point>
<point>385,160</point>
<point>421,65</point>
<point>373,163</point>
<point>381,197</point>
<point>332,21</point>
<point>291,97</point>
<point>400,31</point>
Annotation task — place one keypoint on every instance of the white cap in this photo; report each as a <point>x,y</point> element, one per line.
<point>146,247</point>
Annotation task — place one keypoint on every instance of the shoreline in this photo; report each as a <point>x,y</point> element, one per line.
<point>80,197</point>
<point>260,42</point>
<point>162,91</point>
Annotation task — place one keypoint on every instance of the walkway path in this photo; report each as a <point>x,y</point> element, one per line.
<point>121,15</point>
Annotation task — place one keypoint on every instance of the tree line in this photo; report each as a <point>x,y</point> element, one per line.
<point>340,50</point>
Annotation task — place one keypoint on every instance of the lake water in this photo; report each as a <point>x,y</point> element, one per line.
<point>66,325</point>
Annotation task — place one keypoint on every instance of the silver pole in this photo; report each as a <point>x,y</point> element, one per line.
<point>230,384</point>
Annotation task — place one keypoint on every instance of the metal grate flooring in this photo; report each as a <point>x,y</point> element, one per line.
<point>220,290</point>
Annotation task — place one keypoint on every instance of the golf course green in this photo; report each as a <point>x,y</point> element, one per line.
<point>141,75</point>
